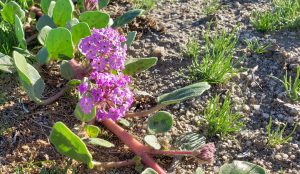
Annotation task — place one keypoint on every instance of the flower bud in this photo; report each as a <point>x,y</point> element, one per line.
<point>206,153</point>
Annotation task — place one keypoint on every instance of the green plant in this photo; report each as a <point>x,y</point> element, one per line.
<point>192,48</point>
<point>211,7</point>
<point>8,39</point>
<point>255,46</point>
<point>285,14</point>
<point>275,137</point>
<point>144,4</point>
<point>220,119</point>
<point>217,65</point>
<point>241,167</point>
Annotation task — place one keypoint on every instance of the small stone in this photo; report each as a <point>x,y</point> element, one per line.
<point>246,108</point>
<point>295,146</point>
<point>285,156</point>
<point>278,157</point>
<point>25,147</point>
<point>237,5</point>
<point>224,158</point>
<point>256,107</point>
<point>158,52</point>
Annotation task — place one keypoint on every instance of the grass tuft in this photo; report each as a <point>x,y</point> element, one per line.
<point>256,47</point>
<point>144,4</point>
<point>211,7</point>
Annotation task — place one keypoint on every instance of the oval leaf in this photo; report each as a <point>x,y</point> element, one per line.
<point>42,37</point>
<point>82,116</point>
<point>130,38</point>
<point>45,5</point>
<point>184,93</point>
<point>190,141</point>
<point>152,141</point>
<point>20,32</point>
<point>160,122</point>
<point>95,19</point>
<point>149,171</point>
<point>69,144</point>
<point>66,70</point>
<point>133,66</point>
<point>92,131</point>
<point>241,167</point>
<point>62,12</point>
<point>124,122</point>
<point>127,17</point>
<point>9,11</point>
<point>100,142</point>
<point>59,44</point>
<point>80,31</point>
<point>102,3</point>
<point>5,63</point>
<point>42,56</point>
<point>43,21</point>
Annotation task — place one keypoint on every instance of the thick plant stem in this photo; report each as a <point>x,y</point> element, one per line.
<point>137,147</point>
<point>145,113</point>
<point>54,98</point>
<point>105,165</point>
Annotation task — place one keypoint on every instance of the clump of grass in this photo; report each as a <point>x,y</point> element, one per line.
<point>256,47</point>
<point>7,38</point>
<point>144,4</point>
<point>211,7</point>
<point>284,14</point>
<point>217,64</point>
<point>220,118</point>
<point>275,137</point>
<point>192,48</point>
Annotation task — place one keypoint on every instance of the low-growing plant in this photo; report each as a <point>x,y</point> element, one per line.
<point>192,49</point>
<point>276,137</point>
<point>144,4</point>
<point>257,47</point>
<point>220,118</point>
<point>217,65</point>
<point>284,14</point>
<point>211,7</point>
<point>8,39</point>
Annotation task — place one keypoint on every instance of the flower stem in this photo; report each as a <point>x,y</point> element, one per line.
<point>105,165</point>
<point>54,98</point>
<point>145,113</point>
<point>137,147</point>
<point>170,152</point>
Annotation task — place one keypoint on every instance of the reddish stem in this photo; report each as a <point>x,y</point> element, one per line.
<point>55,97</point>
<point>145,113</point>
<point>137,147</point>
<point>105,165</point>
<point>170,152</point>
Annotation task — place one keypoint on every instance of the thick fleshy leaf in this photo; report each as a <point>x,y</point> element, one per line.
<point>6,64</point>
<point>95,19</point>
<point>100,142</point>
<point>69,144</point>
<point>190,141</point>
<point>130,38</point>
<point>42,37</point>
<point>127,17</point>
<point>51,8</point>
<point>43,21</point>
<point>149,171</point>
<point>66,70</point>
<point>74,82</point>
<point>62,12</point>
<point>80,31</point>
<point>160,122</point>
<point>133,65</point>
<point>45,5</point>
<point>42,56</point>
<point>30,79</point>
<point>124,122</point>
<point>59,44</point>
<point>20,32</point>
<point>152,141</point>
<point>241,167</point>
<point>184,93</point>
<point>82,116</point>
<point>92,131</point>
<point>102,3</point>
<point>9,11</point>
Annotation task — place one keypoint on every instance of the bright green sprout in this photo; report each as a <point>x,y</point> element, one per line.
<point>256,47</point>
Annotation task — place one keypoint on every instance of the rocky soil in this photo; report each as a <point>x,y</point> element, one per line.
<point>255,93</point>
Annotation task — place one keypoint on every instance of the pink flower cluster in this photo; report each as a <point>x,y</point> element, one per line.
<point>108,92</point>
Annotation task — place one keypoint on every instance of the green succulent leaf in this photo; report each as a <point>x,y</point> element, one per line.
<point>190,141</point>
<point>152,141</point>
<point>42,56</point>
<point>20,32</point>
<point>82,116</point>
<point>100,142</point>
<point>29,77</point>
<point>149,171</point>
<point>95,19</point>
<point>62,12</point>
<point>6,64</point>
<point>80,31</point>
<point>74,82</point>
<point>51,8</point>
<point>66,70</point>
<point>133,65</point>
<point>69,144</point>
<point>184,93</point>
<point>9,11</point>
<point>124,122</point>
<point>130,38</point>
<point>160,122</point>
<point>127,17</point>
<point>241,167</point>
<point>45,5</point>
<point>102,3</point>
<point>43,21</point>
<point>59,44</point>
<point>92,131</point>
<point>42,37</point>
